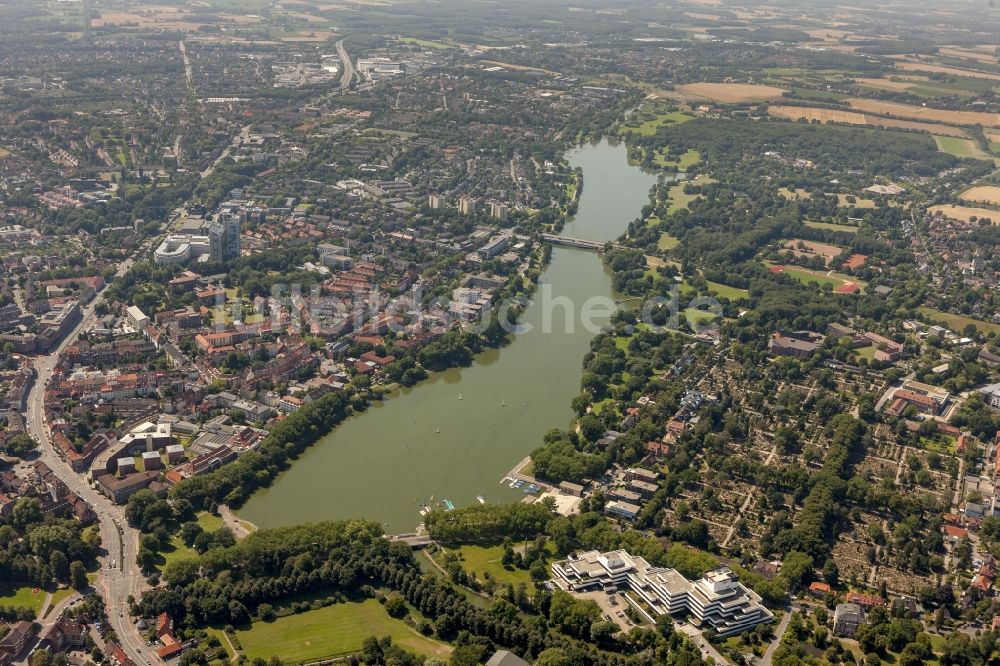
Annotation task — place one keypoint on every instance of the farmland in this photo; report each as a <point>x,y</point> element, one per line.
<point>987,194</point>
<point>926,113</point>
<point>965,213</point>
<point>939,69</point>
<point>731,93</point>
<point>855,118</point>
<point>958,147</point>
<point>829,226</point>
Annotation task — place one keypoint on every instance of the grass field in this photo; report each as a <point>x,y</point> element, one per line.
<point>957,322</point>
<point>58,596</point>
<point>426,43</point>
<point>725,291</point>
<point>958,147</point>
<point>480,560</point>
<point>679,199</point>
<point>830,226</point>
<point>332,631</point>
<point>685,161</point>
<point>987,194</point>
<point>965,213</point>
<point>667,242</point>
<point>731,93</point>
<point>649,127</point>
<point>28,597</point>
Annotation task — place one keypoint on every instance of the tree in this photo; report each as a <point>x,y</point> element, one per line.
<point>78,575</point>
<point>554,657</point>
<point>395,606</point>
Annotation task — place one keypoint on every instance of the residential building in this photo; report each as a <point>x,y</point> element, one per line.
<point>846,620</point>
<point>717,600</point>
<point>620,509</point>
<point>800,344</point>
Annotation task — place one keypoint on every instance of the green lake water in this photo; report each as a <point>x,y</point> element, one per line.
<point>457,434</point>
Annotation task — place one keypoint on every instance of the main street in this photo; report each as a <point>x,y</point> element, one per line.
<point>120,576</point>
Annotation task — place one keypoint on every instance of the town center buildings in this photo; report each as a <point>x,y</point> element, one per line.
<point>717,599</point>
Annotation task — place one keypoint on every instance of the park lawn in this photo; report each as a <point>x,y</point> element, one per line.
<point>667,242</point>
<point>209,522</point>
<point>599,407</point>
<point>480,559</point>
<point>649,127</point>
<point>27,597</point>
<point>688,159</point>
<point>218,633</point>
<point>866,352</point>
<point>831,226</point>
<point>58,596</point>
<point>679,199</point>
<point>176,550</point>
<point>724,290</point>
<point>958,322</point>
<point>332,631</point>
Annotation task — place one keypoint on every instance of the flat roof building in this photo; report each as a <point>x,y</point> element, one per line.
<point>717,599</point>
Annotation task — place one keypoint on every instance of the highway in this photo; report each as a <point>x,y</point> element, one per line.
<point>348,76</point>
<point>120,576</point>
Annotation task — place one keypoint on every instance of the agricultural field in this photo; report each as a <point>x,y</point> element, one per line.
<point>940,69</point>
<point>731,93</point>
<point>926,113</point>
<point>965,213</point>
<point>957,322</point>
<point>332,631</point>
<point>958,147</point>
<point>815,114</point>
<point>854,118</point>
<point>987,194</point>
<point>830,226</point>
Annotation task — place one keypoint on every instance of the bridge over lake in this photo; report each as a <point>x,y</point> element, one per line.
<point>556,239</point>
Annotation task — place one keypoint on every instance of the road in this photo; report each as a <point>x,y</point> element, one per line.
<point>120,544</point>
<point>707,649</point>
<point>779,632</point>
<point>120,576</point>
<point>348,76</point>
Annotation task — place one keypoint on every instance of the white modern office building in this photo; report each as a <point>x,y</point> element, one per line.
<point>717,600</point>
